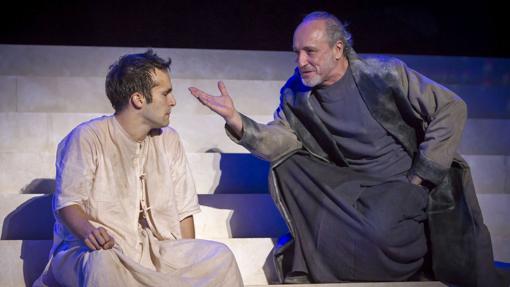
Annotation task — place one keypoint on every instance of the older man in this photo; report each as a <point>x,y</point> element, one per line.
<point>361,149</point>
<point>125,197</point>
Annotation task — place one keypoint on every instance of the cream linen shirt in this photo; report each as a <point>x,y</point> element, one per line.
<point>105,172</point>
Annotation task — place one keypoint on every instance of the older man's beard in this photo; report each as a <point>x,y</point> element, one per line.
<point>311,82</point>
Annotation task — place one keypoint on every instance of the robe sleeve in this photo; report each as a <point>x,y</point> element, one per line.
<point>443,116</point>
<point>267,141</point>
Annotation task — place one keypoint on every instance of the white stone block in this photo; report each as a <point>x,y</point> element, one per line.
<point>24,132</point>
<point>7,94</point>
<point>496,216</point>
<point>87,95</point>
<point>207,133</point>
<point>62,94</point>
<point>485,101</point>
<point>61,124</point>
<point>22,261</point>
<point>57,61</point>
<point>507,176</point>
<point>459,69</point>
<point>486,136</point>
<point>228,64</point>
<point>489,172</point>
<point>222,216</point>
<point>26,172</point>
<point>228,173</point>
<point>206,171</point>
<point>254,259</point>
<point>250,96</point>
<point>238,215</point>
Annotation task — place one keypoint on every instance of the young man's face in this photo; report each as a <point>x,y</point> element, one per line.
<point>317,61</point>
<point>157,113</point>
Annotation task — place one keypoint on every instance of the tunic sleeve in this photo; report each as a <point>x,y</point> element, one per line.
<point>184,185</point>
<point>75,166</point>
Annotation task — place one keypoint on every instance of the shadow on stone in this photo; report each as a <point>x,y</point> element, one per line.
<point>242,173</point>
<point>253,216</point>
<point>32,220</point>
<point>40,186</point>
<point>35,255</point>
<point>246,174</point>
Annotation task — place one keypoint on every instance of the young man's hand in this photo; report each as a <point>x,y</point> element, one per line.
<point>99,238</point>
<point>77,221</point>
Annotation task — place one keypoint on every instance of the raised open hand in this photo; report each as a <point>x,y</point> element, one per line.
<point>223,105</point>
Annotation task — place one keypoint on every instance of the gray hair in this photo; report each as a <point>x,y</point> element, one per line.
<point>335,29</point>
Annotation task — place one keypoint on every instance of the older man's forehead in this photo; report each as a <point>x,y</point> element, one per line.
<point>310,30</point>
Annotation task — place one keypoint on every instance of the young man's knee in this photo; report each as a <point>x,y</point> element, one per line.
<point>220,250</point>
<point>100,261</point>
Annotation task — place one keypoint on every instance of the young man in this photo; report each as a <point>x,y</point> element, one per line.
<point>356,146</point>
<point>125,197</point>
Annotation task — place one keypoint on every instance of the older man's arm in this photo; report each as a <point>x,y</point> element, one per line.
<point>267,141</point>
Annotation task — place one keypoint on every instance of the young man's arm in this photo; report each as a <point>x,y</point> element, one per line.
<point>77,221</point>
<point>188,228</point>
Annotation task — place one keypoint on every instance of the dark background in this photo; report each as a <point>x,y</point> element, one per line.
<point>394,27</point>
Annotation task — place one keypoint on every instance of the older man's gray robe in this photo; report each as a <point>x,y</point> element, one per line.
<point>427,119</point>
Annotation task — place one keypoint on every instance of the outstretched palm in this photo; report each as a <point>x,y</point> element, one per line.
<point>222,105</point>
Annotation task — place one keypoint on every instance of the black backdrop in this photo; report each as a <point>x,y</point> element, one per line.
<point>443,27</point>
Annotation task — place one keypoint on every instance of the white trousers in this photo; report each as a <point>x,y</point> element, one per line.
<point>189,262</point>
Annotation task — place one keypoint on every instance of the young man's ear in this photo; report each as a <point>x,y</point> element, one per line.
<point>137,100</point>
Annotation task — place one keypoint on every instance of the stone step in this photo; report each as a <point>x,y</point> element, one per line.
<point>461,70</point>
<point>484,101</point>
<point>218,173</point>
<point>41,132</point>
<point>74,61</point>
<point>43,94</point>
<point>24,260</point>
<point>486,137</point>
<point>367,284</point>
<point>225,216</point>
<point>222,216</point>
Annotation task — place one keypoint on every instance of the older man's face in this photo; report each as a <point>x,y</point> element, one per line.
<point>317,61</point>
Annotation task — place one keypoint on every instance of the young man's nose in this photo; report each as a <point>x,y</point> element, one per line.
<point>171,100</point>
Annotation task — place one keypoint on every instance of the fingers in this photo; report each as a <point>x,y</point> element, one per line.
<point>222,105</point>
<point>197,93</point>
<point>99,238</point>
<point>109,244</point>
<point>109,241</point>
<point>200,95</point>
<point>223,89</point>
<point>91,242</point>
